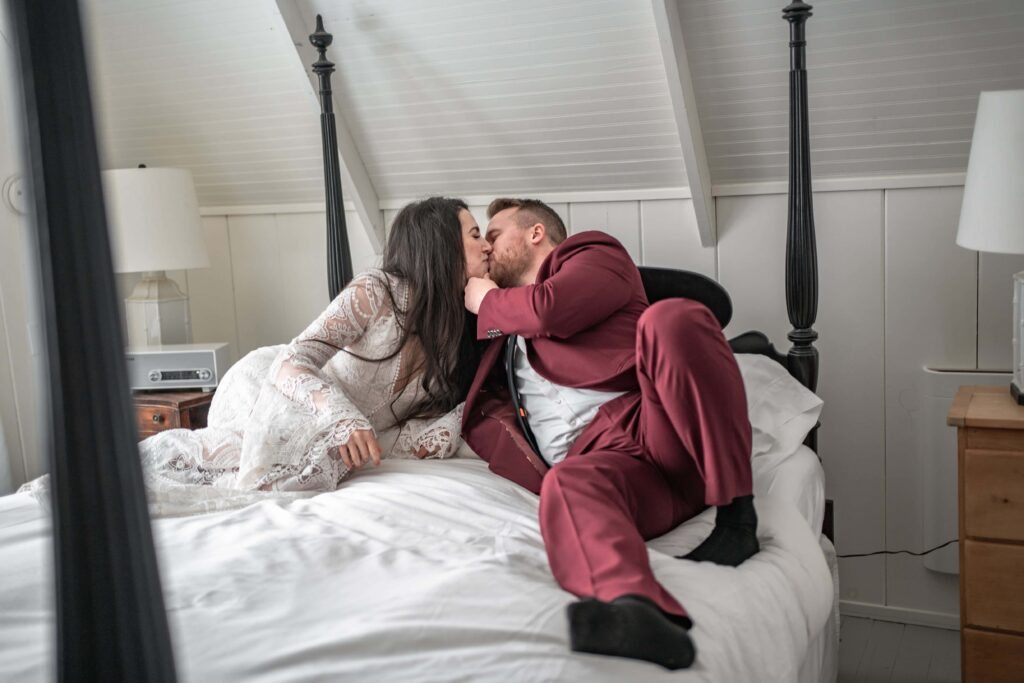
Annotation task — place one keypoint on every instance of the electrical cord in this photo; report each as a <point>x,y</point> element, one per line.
<point>897,552</point>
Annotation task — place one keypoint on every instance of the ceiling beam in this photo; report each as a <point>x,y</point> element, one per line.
<point>362,193</point>
<point>684,106</point>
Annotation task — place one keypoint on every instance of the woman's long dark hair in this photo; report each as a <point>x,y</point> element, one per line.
<point>425,248</point>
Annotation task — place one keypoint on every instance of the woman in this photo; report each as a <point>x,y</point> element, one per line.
<point>381,373</point>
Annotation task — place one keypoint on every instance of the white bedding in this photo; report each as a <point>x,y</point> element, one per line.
<point>426,571</point>
<point>797,478</point>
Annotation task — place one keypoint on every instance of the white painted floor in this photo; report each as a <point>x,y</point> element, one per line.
<point>881,652</point>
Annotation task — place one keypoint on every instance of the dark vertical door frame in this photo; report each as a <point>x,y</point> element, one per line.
<point>111,622</point>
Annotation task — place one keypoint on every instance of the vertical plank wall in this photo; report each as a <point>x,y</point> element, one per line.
<point>896,294</point>
<point>22,351</point>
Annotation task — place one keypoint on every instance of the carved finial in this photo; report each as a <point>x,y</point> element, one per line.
<point>320,40</point>
<point>798,10</point>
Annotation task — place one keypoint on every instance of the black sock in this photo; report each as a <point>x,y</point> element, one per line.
<point>632,627</point>
<point>734,537</point>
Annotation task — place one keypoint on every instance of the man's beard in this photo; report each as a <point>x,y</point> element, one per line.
<point>507,269</point>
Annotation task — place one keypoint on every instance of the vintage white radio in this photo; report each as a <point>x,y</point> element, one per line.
<point>176,366</point>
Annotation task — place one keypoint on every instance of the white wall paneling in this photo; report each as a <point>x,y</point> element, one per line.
<point>212,290</point>
<point>267,278</point>
<point>669,237</point>
<point>278,289</point>
<point>995,311</point>
<point>258,279</point>
<point>751,263</point>
<point>22,390</point>
<point>850,321</point>
<point>930,320</point>
<point>14,413</point>
<point>619,219</point>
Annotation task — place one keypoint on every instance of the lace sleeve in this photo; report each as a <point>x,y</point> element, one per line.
<point>439,437</point>
<point>298,371</point>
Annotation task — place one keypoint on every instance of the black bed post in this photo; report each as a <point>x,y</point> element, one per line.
<point>339,257</point>
<point>111,623</point>
<point>801,252</point>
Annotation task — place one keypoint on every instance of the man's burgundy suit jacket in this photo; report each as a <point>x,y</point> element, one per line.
<point>580,322</point>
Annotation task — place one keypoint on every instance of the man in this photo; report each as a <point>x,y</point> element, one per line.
<point>626,418</point>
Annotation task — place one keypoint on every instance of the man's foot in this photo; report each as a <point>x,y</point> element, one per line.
<point>734,537</point>
<point>633,627</point>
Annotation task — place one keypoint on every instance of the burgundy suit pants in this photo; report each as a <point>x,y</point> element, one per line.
<point>650,460</point>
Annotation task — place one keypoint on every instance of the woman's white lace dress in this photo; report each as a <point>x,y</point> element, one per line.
<point>280,413</point>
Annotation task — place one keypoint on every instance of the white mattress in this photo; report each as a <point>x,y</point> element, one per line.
<point>434,571</point>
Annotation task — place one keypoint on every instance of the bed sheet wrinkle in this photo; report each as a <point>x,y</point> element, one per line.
<point>426,571</point>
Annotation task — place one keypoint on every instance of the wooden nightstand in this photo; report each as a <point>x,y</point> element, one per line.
<point>157,411</point>
<point>991,475</point>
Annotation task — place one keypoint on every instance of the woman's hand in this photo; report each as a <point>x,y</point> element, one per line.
<point>362,447</point>
<point>424,453</point>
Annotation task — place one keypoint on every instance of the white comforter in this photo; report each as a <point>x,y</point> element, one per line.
<point>419,571</point>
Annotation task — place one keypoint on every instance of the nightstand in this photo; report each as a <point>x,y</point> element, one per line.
<point>990,430</point>
<point>157,411</point>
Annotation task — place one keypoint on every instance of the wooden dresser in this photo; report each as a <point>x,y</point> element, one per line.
<point>157,411</point>
<point>991,482</point>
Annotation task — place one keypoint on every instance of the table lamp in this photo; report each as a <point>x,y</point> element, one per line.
<point>992,214</point>
<point>153,214</point>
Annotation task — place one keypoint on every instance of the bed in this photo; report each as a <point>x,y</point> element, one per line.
<point>415,571</point>
<point>436,571</point>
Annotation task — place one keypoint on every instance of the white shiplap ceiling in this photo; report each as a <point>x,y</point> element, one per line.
<point>893,84</point>
<point>489,97</point>
<point>214,86</point>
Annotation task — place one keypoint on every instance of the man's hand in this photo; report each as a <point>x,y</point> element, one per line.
<point>476,289</point>
<point>362,447</point>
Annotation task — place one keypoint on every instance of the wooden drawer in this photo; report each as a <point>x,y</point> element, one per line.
<point>994,494</point>
<point>991,578</point>
<point>195,417</point>
<point>992,657</point>
<point>995,439</point>
<point>153,419</point>
<point>156,411</point>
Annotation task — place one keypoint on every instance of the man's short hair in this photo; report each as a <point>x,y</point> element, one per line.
<point>531,211</point>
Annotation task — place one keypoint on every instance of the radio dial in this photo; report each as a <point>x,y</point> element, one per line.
<point>154,375</point>
<point>205,375</point>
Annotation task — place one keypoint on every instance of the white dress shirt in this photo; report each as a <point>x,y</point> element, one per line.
<point>556,414</point>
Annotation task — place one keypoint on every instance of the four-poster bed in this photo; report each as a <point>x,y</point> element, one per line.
<point>416,571</point>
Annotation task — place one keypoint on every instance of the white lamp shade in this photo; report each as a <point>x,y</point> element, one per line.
<point>992,214</point>
<point>154,221</point>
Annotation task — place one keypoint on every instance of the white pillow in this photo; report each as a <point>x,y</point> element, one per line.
<point>782,411</point>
